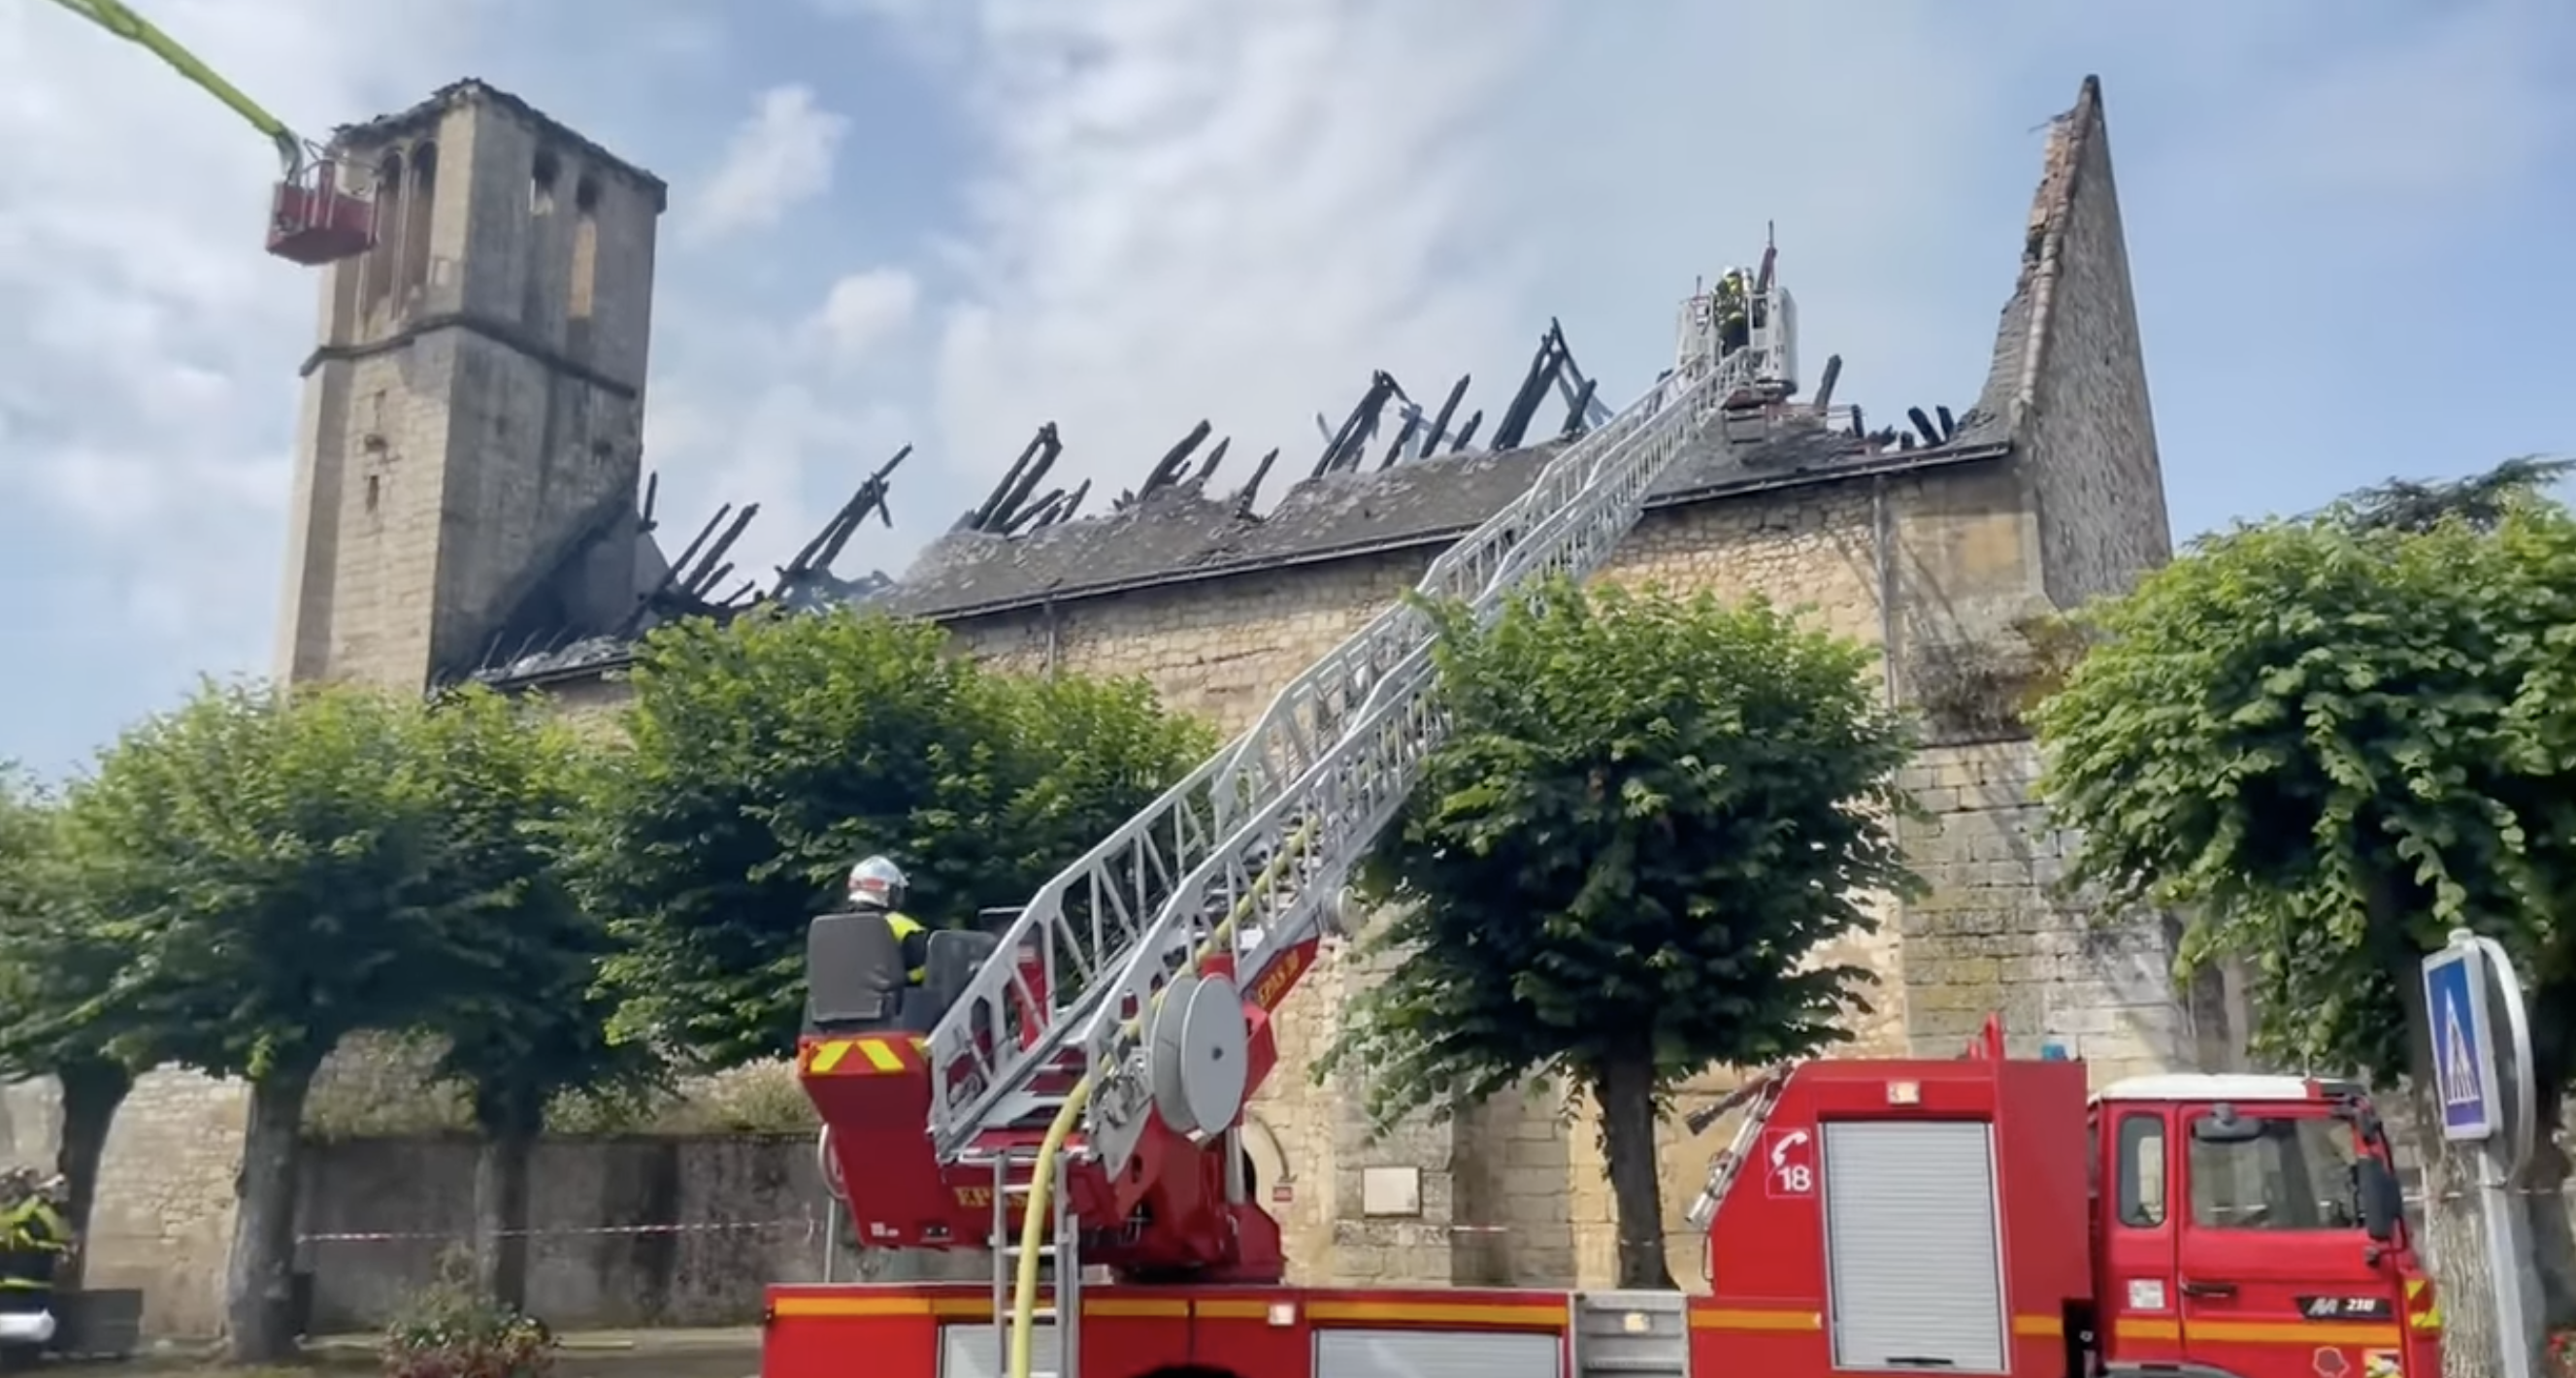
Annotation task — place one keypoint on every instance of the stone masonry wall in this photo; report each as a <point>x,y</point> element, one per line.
<point>2080,398</point>
<point>2069,379</point>
<point>1512,1194</point>
<point>477,404</point>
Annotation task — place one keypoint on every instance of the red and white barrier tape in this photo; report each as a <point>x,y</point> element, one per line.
<point>806,1225</point>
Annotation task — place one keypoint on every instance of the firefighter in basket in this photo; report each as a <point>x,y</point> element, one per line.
<point>876,887</point>
<point>1733,309</point>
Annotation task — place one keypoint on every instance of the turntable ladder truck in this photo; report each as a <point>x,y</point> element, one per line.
<point>1083,1070</point>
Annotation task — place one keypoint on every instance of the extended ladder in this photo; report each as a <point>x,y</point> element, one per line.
<point>1251,848</point>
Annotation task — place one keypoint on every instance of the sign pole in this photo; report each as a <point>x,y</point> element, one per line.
<point>2486,1098</point>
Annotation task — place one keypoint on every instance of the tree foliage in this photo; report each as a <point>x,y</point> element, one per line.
<point>268,860</point>
<point>53,965</point>
<point>765,756</point>
<point>1649,816</point>
<point>522,1014</point>
<point>2331,741</point>
<point>2480,500</point>
<point>281,869</point>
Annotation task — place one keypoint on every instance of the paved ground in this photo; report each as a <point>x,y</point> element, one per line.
<point>585,1354</point>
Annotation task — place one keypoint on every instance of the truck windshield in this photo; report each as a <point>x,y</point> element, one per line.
<point>2297,1173</point>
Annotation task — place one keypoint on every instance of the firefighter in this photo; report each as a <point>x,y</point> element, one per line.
<point>876,887</point>
<point>37,1237</point>
<point>1733,307</point>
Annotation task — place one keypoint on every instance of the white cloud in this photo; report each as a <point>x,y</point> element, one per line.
<point>865,311</point>
<point>147,343</point>
<point>1224,211</point>
<point>779,159</point>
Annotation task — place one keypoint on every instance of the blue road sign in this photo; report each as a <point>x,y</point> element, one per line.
<point>2463,1059</point>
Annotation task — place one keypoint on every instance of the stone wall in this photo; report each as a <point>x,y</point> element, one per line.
<point>625,1232</point>
<point>2069,379</point>
<point>164,1217</point>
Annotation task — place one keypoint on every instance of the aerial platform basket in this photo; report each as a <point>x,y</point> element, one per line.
<point>316,218</point>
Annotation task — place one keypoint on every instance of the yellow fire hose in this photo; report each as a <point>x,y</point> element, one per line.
<point>1024,1296</point>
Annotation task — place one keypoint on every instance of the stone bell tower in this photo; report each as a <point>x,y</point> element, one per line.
<point>470,441</point>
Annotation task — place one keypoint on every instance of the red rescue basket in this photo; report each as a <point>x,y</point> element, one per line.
<point>315,220</point>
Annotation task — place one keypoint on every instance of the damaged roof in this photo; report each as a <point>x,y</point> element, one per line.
<point>1179,534</point>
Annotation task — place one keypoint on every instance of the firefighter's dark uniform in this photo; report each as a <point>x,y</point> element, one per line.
<point>915,941</point>
<point>1734,327</point>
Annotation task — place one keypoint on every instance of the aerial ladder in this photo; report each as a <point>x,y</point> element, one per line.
<point>1097,1062</point>
<point>315,215</point>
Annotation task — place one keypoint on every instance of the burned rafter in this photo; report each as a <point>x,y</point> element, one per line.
<point>1824,399</point>
<point>1449,408</point>
<point>807,580</point>
<point>1467,433</point>
<point>1018,482</point>
<point>1207,466</point>
<point>1250,492</point>
<point>687,587</point>
<point>1578,410</point>
<point>1932,432</point>
<point>1551,369</point>
<point>1404,437</point>
<point>1167,470</point>
<point>1064,511</point>
<point>1343,450</point>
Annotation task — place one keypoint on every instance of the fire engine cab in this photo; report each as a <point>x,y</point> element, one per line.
<point>1063,1090</point>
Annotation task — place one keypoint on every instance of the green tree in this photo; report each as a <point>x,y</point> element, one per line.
<point>1647,818</point>
<point>52,965</point>
<point>2330,741</point>
<point>763,757</point>
<point>270,861</point>
<point>522,1012</point>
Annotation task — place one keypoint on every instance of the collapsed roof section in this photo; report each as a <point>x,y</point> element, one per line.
<point>1392,475</point>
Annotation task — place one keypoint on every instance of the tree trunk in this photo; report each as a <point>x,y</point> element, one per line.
<point>92,1091</point>
<point>501,1216</point>
<point>2454,1237</point>
<point>1626,1090</point>
<point>259,1279</point>
<point>2543,1187</point>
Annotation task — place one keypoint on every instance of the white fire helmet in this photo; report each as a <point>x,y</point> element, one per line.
<point>876,883</point>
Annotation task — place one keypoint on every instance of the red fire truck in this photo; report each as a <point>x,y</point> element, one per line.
<point>1064,1091</point>
<point>1977,1216</point>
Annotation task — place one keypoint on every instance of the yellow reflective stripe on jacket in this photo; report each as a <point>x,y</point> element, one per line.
<point>904,926</point>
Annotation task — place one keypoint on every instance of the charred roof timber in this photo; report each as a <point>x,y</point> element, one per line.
<point>1006,510</point>
<point>806,581</point>
<point>1552,367</point>
<point>1391,475</point>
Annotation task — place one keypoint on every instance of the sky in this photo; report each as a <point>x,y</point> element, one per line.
<point>944,222</point>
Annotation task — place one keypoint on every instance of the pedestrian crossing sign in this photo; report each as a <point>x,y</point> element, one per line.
<point>2463,1058</point>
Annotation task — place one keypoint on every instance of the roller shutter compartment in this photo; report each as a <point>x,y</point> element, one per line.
<point>1910,1233</point>
<point>1436,1354</point>
<point>970,1351</point>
